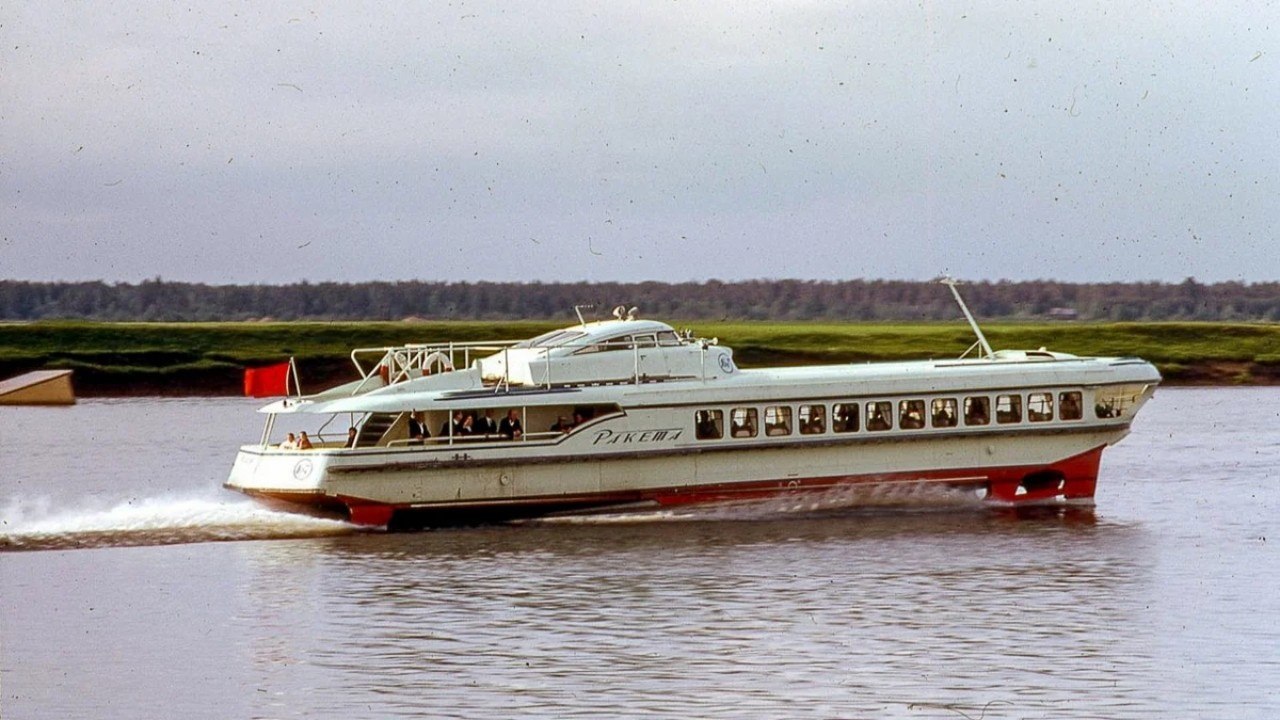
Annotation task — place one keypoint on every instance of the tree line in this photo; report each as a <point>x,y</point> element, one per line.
<point>777,300</point>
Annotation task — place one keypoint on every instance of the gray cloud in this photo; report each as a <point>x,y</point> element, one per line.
<point>630,141</point>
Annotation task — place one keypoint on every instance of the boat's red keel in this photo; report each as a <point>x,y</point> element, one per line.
<point>1072,479</point>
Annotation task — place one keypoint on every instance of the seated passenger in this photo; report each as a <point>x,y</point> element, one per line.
<point>304,442</point>
<point>561,425</point>
<point>469,424</point>
<point>510,425</point>
<point>817,422</point>
<point>845,420</point>
<point>1070,407</point>
<point>351,438</point>
<point>706,428</point>
<point>290,443</point>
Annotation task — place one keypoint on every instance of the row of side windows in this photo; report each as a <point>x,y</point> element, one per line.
<point>880,415</point>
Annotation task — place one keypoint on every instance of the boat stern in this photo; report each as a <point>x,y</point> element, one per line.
<point>283,476</point>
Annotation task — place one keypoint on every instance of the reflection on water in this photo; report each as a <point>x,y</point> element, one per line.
<point>844,615</point>
<point>1153,605</point>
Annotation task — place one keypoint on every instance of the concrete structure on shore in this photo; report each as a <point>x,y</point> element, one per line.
<point>40,387</point>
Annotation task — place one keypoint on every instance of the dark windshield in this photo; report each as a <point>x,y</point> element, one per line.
<point>555,338</point>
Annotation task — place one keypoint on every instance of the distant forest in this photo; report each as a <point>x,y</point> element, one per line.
<point>777,300</point>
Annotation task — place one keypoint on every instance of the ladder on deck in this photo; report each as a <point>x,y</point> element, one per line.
<point>374,428</point>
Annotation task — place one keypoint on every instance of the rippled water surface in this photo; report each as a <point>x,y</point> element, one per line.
<point>150,592</point>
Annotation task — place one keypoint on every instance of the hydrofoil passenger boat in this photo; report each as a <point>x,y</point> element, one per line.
<point>628,414</point>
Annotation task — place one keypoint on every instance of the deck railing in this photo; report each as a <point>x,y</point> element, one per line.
<point>403,362</point>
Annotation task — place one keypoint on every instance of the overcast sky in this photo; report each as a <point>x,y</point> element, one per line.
<point>619,140</point>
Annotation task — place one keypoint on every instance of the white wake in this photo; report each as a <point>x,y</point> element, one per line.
<point>36,524</point>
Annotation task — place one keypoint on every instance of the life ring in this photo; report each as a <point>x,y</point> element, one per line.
<point>446,365</point>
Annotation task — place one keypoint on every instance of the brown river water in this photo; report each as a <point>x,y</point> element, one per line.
<point>133,586</point>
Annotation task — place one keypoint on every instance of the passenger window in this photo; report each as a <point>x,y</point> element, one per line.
<point>709,424</point>
<point>977,411</point>
<point>1008,408</point>
<point>879,415</point>
<point>742,422</point>
<point>911,414</point>
<point>813,419</point>
<point>646,341</point>
<point>943,412</point>
<point>1070,406</point>
<point>1040,407</point>
<point>844,417</point>
<point>777,420</point>
<point>668,338</point>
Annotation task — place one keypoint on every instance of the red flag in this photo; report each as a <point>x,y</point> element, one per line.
<point>267,381</point>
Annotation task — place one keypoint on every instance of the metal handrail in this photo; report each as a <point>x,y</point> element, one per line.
<point>401,361</point>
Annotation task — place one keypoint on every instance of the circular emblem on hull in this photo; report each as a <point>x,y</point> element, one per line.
<point>726,363</point>
<point>302,470</point>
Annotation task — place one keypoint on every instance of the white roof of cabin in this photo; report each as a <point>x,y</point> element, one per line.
<point>605,329</point>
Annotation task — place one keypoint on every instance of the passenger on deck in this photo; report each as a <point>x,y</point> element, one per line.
<point>417,428</point>
<point>469,424</point>
<point>304,442</point>
<point>290,443</point>
<point>486,425</point>
<point>351,438</point>
<point>510,425</point>
<point>562,425</point>
<point>454,425</point>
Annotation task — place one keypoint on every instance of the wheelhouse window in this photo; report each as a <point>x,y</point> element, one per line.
<point>977,410</point>
<point>1070,406</point>
<point>555,338</point>
<point>668,338</point>
<point>646,341</point>
<point>709,424</point>
<point>618,343</point>
<point>844,417</point>
<point>1008,408</point>
<point>879,415</point>
<point>1040,407</point>
<point>942,412</point>
<point>743,422</point>
<point>1117,400</point>
<point>910,414</point>
<point>777,420</point>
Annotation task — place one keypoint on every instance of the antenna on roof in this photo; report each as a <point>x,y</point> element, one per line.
<point>578,309</point>
<point>982,339</point>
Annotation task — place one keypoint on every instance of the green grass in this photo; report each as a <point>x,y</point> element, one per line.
<point>111,356</point>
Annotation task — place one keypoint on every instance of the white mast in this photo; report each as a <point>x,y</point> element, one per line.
<point>982,339</point>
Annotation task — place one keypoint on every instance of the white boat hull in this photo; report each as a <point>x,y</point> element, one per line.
<point>469,485</point>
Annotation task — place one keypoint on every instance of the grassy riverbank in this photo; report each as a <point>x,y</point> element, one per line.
<point>208,358</point>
